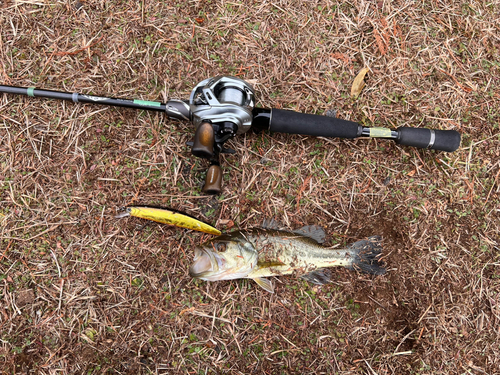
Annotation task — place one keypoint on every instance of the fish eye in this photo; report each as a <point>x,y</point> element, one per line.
<point>219,246</point>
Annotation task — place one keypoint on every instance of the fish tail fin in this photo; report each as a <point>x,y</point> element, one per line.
<point>366,256</point>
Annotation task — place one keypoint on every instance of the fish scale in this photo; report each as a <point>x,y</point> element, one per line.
<point>298,253</point>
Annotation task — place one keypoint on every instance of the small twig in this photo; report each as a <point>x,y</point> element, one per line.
<point>57,263</point>
<point>402,341</point>
<point>426,311</point>
<point>7,249</point>
<point>370,367</point>
<point>60,293</point>
<point>64,53</point>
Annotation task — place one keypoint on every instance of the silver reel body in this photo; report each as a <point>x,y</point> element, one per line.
<point>223,99</point>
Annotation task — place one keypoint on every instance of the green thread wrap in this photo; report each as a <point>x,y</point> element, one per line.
<point>380,132</point>
<point>146,102</point>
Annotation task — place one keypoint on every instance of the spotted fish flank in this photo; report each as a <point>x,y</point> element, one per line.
<point>260,253</point>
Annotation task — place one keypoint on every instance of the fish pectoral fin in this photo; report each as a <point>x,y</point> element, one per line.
<point>319,277</point>
<point>265,284</point>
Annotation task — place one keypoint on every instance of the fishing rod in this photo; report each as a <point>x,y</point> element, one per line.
<point>223,107</point>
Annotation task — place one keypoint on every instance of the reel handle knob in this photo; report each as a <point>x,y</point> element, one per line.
<point>213,180</point>
<point>204,139</point>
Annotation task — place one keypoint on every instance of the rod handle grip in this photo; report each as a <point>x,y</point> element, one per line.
<point>204,139</point>
<point>283,121</point>
<point>443,140</point>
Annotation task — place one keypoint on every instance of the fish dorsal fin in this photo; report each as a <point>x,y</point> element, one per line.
<point>312,231</point>
<point>319,277</point>
<point>271,224</point>
<point>265,284</point>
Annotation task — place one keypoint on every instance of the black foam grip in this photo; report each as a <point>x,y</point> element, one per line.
<point>321,126</point>
<point>444,140</point>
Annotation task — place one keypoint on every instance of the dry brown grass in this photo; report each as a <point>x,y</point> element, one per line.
<point>82,292</point>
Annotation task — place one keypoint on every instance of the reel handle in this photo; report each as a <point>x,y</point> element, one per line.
<point>213,180</point>
<point>204,140</point>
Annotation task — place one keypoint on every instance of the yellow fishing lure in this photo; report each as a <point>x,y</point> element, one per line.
<point>169,217</point>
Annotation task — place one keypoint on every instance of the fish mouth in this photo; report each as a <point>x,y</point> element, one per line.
<point>204,263</point>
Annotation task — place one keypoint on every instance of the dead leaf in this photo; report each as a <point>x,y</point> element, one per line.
<point>359,82</point>
<point>228,223</point>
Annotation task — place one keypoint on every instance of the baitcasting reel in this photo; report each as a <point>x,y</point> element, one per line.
<point>223,107</point>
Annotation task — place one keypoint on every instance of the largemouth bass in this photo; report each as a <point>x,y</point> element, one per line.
<point>260,253</point>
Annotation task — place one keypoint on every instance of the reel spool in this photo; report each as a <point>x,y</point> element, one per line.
<point>221,108</point>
